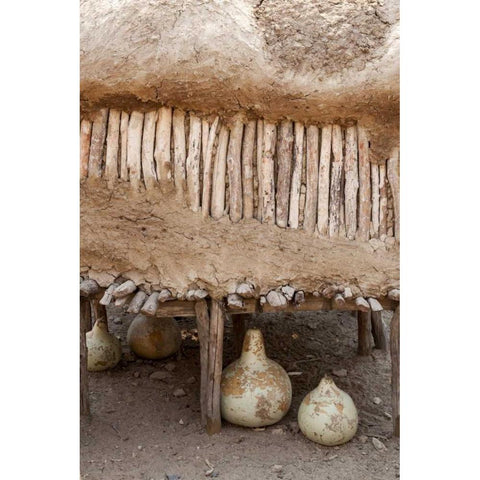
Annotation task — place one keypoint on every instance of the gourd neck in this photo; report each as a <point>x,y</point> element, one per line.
<point>253,347</point>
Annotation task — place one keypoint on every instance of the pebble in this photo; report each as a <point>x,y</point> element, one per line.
<point>160,375</point>
<point>170,367</point>
<point>387,415</point>
<point>378,444</point>
<point>179,392</point>
<point>340,372</point>
<point>363,439</point>
<point>293,427</point>
<point>377,400</point>
<point>190,380</point>
<point>277,431</point>
<point>277,468</point>
<point>181,422</point>
<point>140,447</point>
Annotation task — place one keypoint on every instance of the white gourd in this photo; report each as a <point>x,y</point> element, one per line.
<point>104,350</point>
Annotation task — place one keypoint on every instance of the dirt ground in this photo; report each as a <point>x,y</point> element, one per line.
<point>139,430</point>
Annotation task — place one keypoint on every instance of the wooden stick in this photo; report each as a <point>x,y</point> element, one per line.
<point>111,155</point>
<point>124,119</point>
<point>137,302</point>
<point>215,357</point>
<point>205,133</point>
<point>347,293</point>
<point>284,162</point>
<point>162,148</point>
<point>203,327</point>
<point>97,143</point>
<point>296,183</point>
<point>339,300</point>
<point>311,200</point>
<point>365,196</point>
<point>247,168</point>
<point>383,203</point>
<point>207,170</point>
<point>375,200</point>
<point>378,331</point>
<point>148,141</point>
<point>260,153</point>
<point>351,182</point>
<point>193,163</point>
<point>268,173</point>
<point>218,186</point>
<point>126,288</point>
<point>108,295</point>
<point>375,305</point>
<point>150,307</point>
<point>299,297</point>
<point>324,180</point>
<point>336,181</point>
<point>134,149</point>
<point>364,337</point>
<point>99,311</point>
<point>239,324</point>
<point>121,301</point>
<point>85,322</point>
<point>395,359</point>
<point>88,288</point>
<point>362,304</point>
<point>393,174</point>
<point>85,136</point>
<point>179,151</point>
<point>234,163</point>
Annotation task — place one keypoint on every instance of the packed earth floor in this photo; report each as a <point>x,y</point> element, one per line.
<point>143,428</point>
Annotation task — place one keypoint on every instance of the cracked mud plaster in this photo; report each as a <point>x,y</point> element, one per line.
<point>154,240</point>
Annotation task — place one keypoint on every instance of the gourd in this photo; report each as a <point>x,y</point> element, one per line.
<point>255,391</point>
<point>104,350</point>
<point>327,415</point>
<point>153,337</point>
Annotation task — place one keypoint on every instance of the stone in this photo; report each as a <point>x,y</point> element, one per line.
<point>341,372</point>
<point>117,321</point>
<point>378,444</point>
<point>235,300</point>
<point>288,291</point>
<point>293,427</point>
<point>363,439</point>
<point>277,468</point>
<point>277,431</point>
<point>276,299</point>
<point>160,375</point>
<point>246,290</point>
<point>179,392</point>
<point>377,400</point>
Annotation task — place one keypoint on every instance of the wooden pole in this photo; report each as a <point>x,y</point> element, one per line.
<point>215,357</point>
<point>111,155</point>
<point>393,174</point>
<point>207,170</point>
<point>395,358</point>
<point>137,302</point>
<point>99,311</point>
<point>378,331</point>
<point>260,152</point>
<point>324,180</point>
<point>336,181</point>
<point>284,161</point>
<point>193,163</point>
<point>247,168</point>
<point>375,200</point>
<point>179,150</point>
<point>364,338</point>
<point>383,204</point>
<point>148,142</point>
<point>365,196</point>
<point>203,327</point>
<point>268,173</point>
<point>351,182</point>
<point>124,120</point>
<point>85,322</point>
<point>85,136</point>
<point>239,323</point>
<point>218,186</point>
<point>162,148</point>
<point>311,199</point>
<point>296,183</point>
<point>97,143</point>
<point>234,164</point>
<point>134,149</point>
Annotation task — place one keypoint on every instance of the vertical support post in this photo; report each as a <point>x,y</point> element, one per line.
<point>99,311</point>
<point>215,357</point>
<point>395,357</point>
<point>84,326</point>
<point>378,332</point>
<point>203,326</point>
<point>364,340</point>
<point>239,323</point>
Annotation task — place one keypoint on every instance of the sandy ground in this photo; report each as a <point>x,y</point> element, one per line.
<point>139,430</point>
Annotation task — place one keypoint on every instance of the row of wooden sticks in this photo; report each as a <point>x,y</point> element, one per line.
<point>288,174</point>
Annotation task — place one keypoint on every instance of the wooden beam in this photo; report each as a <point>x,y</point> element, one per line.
<point>364,338</point>
<point>395,357</point>
<point>85,322</point>
<point>203,326</point>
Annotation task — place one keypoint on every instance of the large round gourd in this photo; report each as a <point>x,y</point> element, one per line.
<point>154,337</point>
<point>327,415</point>
<point>255,391</point>
<point>104,350</point>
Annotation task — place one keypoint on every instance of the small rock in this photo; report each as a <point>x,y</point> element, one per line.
<point>235,300</point>
<point>136,374</point>
<point>179,392</point>
<point>299,297</point>
<point>277,431</point>
<point>387,415</point>
<point>246,290</point>
<point>288,291</point>
<point>170,367</point>
<point>117,321</point>
<point>316,293</point>
<point>333,457</point>
<point>263,300</point>
<point>160,375</point>
<point>378,444</point>
<point>190,380</point>
<point>277,468</point>
<point>340,372</point>
<point>181,422</point>
<point>363,439</point>
<point>377,400</point>
<point>140,447</point>
<point>293,427</point>
<point>276,299</point>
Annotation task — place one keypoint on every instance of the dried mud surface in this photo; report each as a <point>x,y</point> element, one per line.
<point>139,431</point>
<point>153,240</point>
